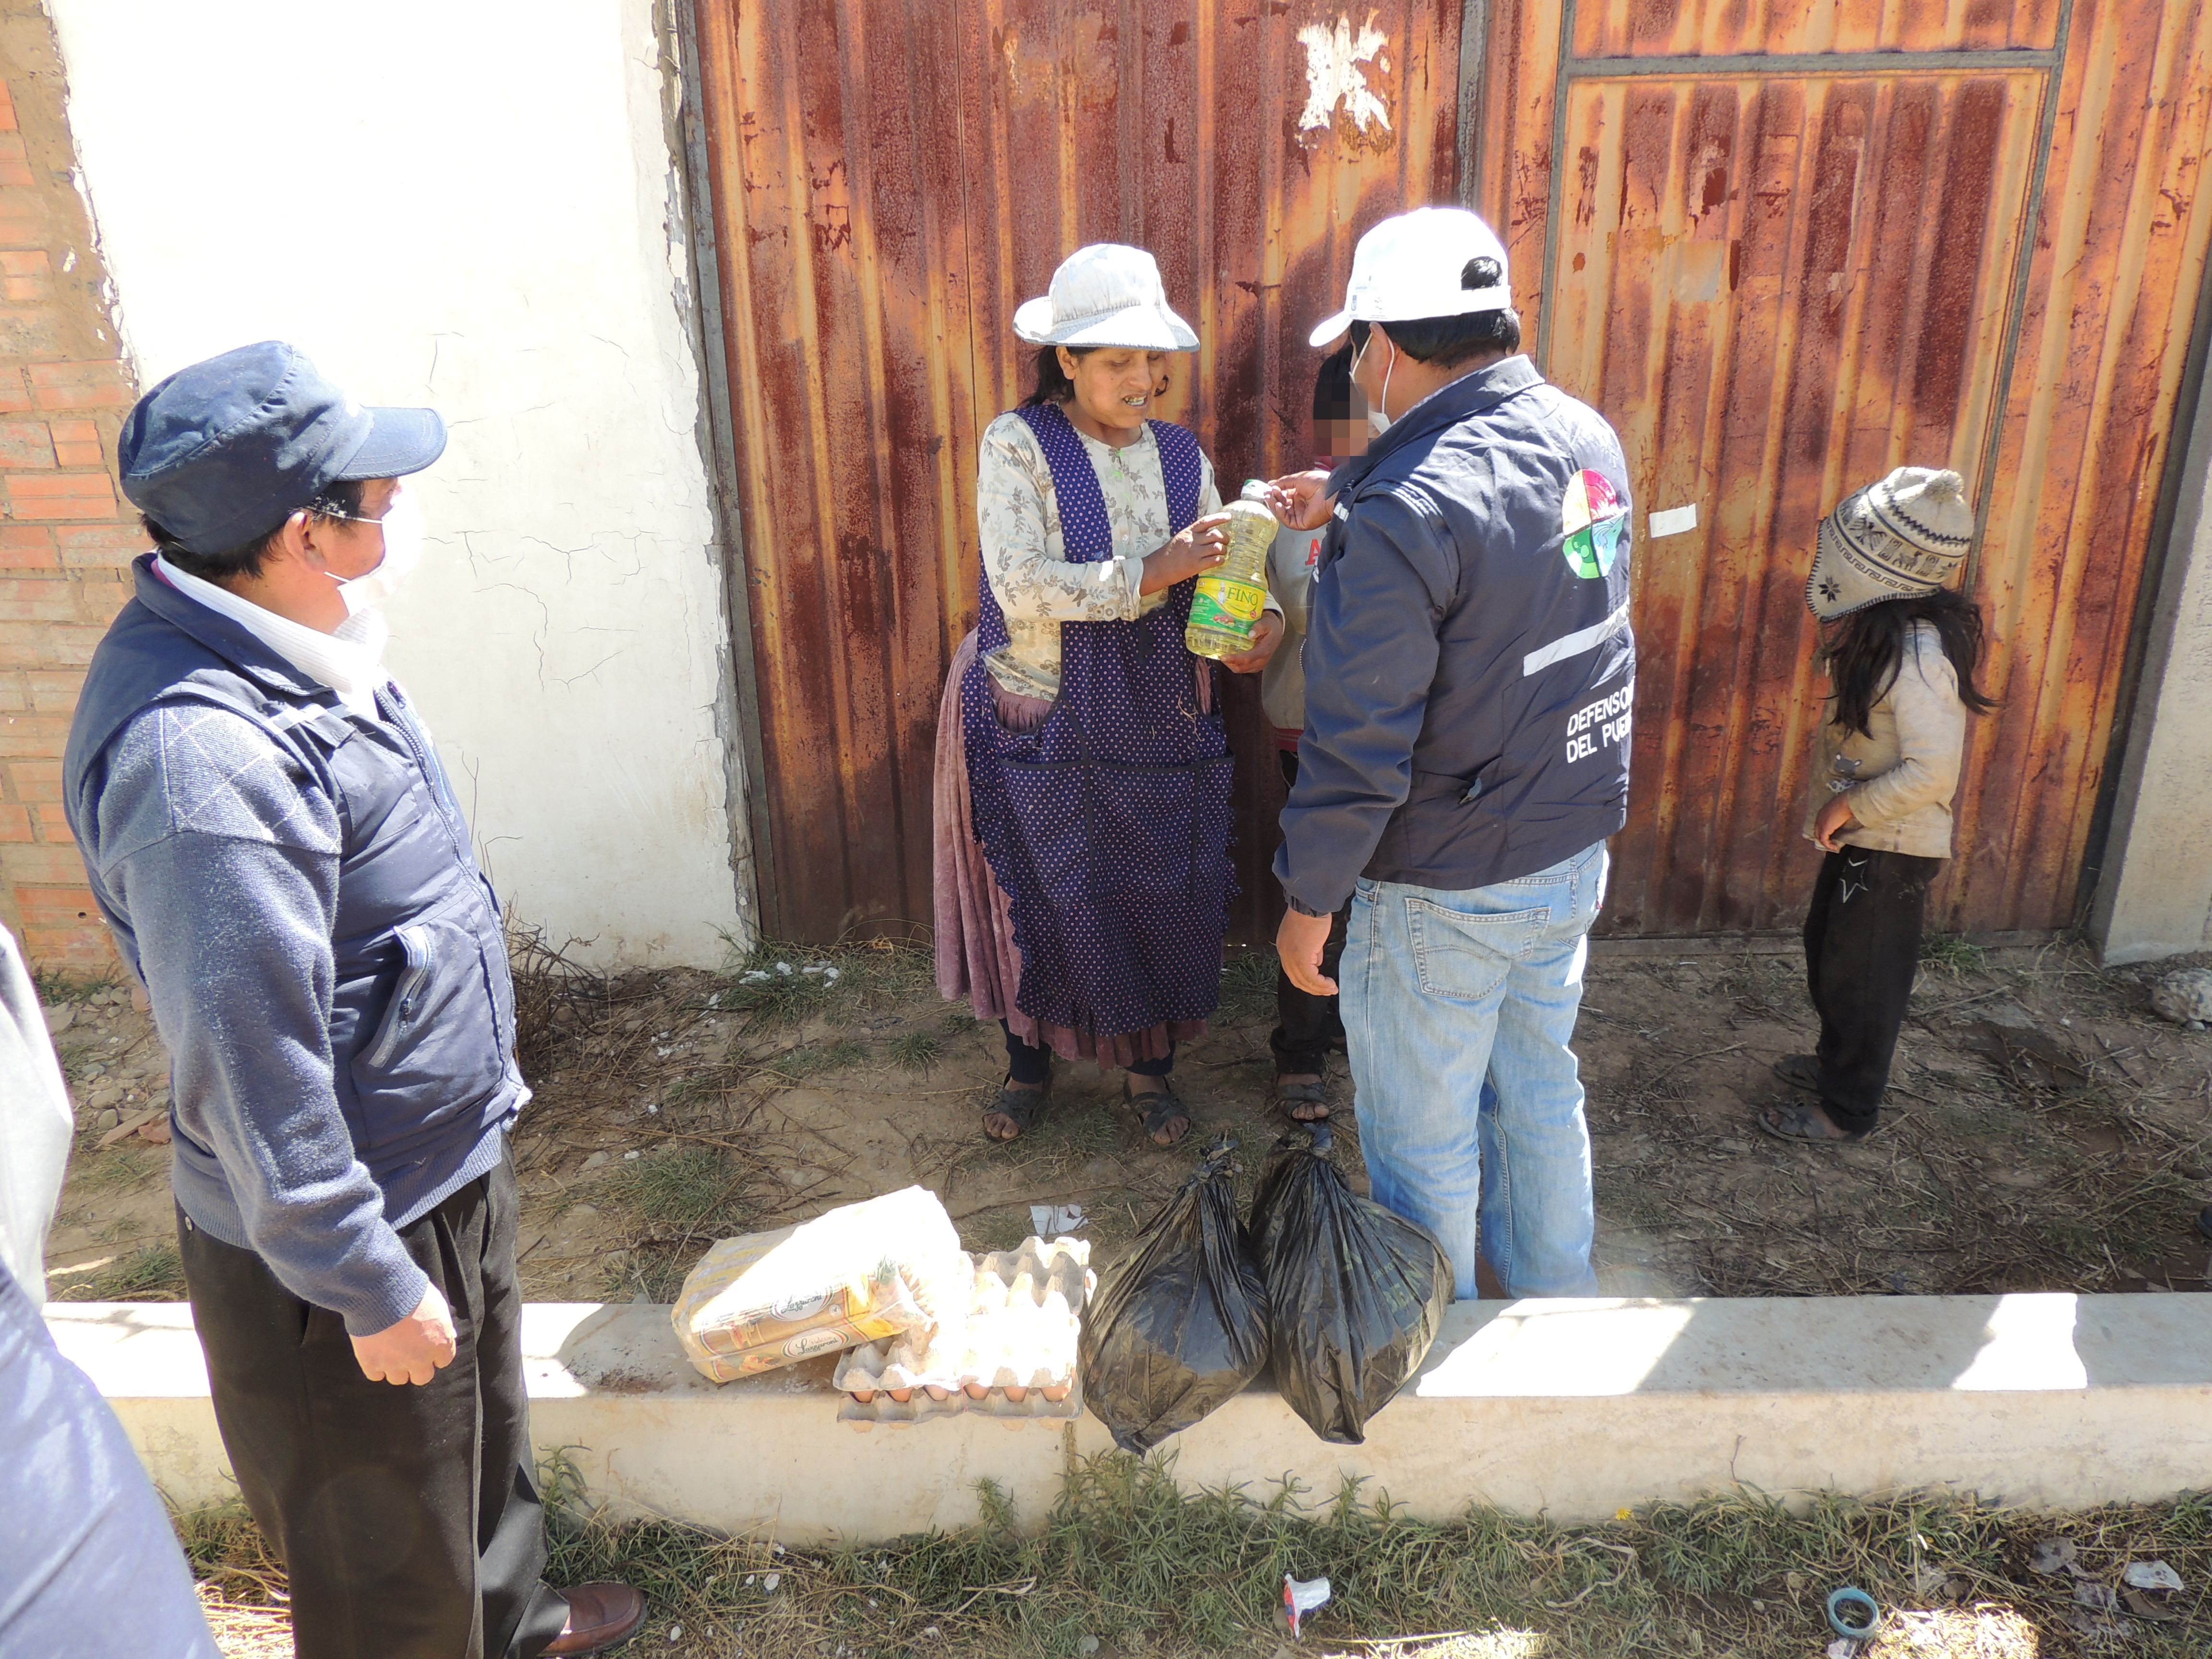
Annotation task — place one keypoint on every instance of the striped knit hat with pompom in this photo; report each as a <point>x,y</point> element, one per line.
<point>1905,536</point>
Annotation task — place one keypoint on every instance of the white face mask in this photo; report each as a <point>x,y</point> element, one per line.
<point>1378,420</point>
<point>402,525</point>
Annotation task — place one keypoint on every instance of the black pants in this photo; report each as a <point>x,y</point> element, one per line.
<point>408,1517</point>
<point>1307,1026</point>
<point>1032,1063</point>
<point>1862,949</point>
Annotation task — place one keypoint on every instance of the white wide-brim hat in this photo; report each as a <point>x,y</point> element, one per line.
<point>1904,535</point>
<point>1410,267</point>
<point>1105,294</point>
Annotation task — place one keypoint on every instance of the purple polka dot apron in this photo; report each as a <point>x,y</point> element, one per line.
<point>1107,827</point>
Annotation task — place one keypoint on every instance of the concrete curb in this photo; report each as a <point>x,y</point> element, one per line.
<point>1574,1409</point>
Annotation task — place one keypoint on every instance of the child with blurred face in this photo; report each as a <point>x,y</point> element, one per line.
<point>1307,1026</point>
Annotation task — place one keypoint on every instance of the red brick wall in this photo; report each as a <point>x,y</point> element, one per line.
<point>66,536</point>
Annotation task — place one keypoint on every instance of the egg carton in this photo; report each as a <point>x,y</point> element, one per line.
<point>923,1362</point>
<point>1026,1319</point>
<point>922,1406</point>
<point>916,1363</point>
<point>1013,1358</point>
<point>863,1409</point>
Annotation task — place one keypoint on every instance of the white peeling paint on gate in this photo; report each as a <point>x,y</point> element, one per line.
<point>1334,55</point>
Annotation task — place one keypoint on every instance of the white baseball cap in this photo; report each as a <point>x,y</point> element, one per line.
<point>1105,294</point>
<point>1409,267</point>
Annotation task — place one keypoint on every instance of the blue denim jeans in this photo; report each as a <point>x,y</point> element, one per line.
<point>1458,1008</point>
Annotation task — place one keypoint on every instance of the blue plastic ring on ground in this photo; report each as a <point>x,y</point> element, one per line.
<point>1852,1597</point>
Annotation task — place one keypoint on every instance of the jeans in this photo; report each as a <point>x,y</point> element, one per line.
<point>1862,949</point>
<point>1458,1008</point>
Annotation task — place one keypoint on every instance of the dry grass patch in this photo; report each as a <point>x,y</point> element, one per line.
<point>1125,1563</point>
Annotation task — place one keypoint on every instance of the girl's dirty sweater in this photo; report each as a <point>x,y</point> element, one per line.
<point>1901,775</point>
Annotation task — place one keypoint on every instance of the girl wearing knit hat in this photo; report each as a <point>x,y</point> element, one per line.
<point>1900,648</point>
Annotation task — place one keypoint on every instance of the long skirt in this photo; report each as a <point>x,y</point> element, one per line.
<point>976,957</point>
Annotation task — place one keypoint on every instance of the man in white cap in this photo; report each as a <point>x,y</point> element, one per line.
<point>1470,671</point>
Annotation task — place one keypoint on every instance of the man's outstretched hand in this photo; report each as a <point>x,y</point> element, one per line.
<point>1300,500</point>
<point>413,1350</point>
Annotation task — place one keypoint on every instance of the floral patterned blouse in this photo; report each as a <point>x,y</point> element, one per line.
<point>1017,514</point>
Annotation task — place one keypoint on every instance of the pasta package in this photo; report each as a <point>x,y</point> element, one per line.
<point>859,1274</point>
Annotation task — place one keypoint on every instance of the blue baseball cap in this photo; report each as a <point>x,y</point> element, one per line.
<point>222,452</point>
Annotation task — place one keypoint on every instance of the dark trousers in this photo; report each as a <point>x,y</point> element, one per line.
<point>1307,1026</point>
<point>1862,949</point>
<point>1032,1063</point>
<point>408,1517</point>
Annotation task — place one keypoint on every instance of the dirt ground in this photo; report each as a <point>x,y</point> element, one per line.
<point>2046,1130</point>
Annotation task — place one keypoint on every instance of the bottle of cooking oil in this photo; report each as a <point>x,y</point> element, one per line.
<point>1226,607</point>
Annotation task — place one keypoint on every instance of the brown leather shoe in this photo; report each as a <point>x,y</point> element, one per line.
<point>599,1615</point>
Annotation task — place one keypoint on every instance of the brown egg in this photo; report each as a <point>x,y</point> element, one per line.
<point>977,1391</point>
<point>1016,1393</point>
<point>1056,1393</point>
<point>902,1394</point>
<point>864,1396</point>
<point>936,1393</point>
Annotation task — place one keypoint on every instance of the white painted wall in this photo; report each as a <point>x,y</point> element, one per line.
<point>469,205</point>
<point>2154,898</point>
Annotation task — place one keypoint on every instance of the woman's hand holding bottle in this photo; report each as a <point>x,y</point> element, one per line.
<point>1267,635</point>
<point>1201,546</point>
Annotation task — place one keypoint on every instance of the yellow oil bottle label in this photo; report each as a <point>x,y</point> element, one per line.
<point>1220,602</point>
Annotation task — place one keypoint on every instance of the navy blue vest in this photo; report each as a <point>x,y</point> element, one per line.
<point>422,1023</point>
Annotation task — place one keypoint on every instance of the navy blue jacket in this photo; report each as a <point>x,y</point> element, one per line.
<point>1469,664</point>
<point>294,885</point>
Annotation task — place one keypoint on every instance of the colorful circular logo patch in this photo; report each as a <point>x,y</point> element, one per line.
<point>1595,521</point>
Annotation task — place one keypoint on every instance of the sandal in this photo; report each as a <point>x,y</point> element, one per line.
<point>1166,1119</point>
<point>1800,1123</point>
<point>1288,1098</point>
<point>1799,1072</point>
<point>1023,1108</point>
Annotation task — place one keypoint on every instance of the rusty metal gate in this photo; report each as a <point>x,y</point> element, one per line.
<point>1786,246</point>
<point>889,179</point>
<point>1783,245</point>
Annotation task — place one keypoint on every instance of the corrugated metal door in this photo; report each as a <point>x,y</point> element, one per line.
<point>889,178</point>
<point>1787,247</point>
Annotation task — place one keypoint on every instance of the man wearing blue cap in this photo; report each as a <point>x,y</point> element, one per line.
<point>1469,671</point>
<point>270,837</point>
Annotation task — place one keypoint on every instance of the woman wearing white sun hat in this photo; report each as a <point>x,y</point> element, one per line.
<point>1083,772</point>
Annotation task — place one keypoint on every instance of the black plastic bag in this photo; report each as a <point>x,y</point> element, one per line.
<point>1180,1323</point>
<point>1355,1293</point>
